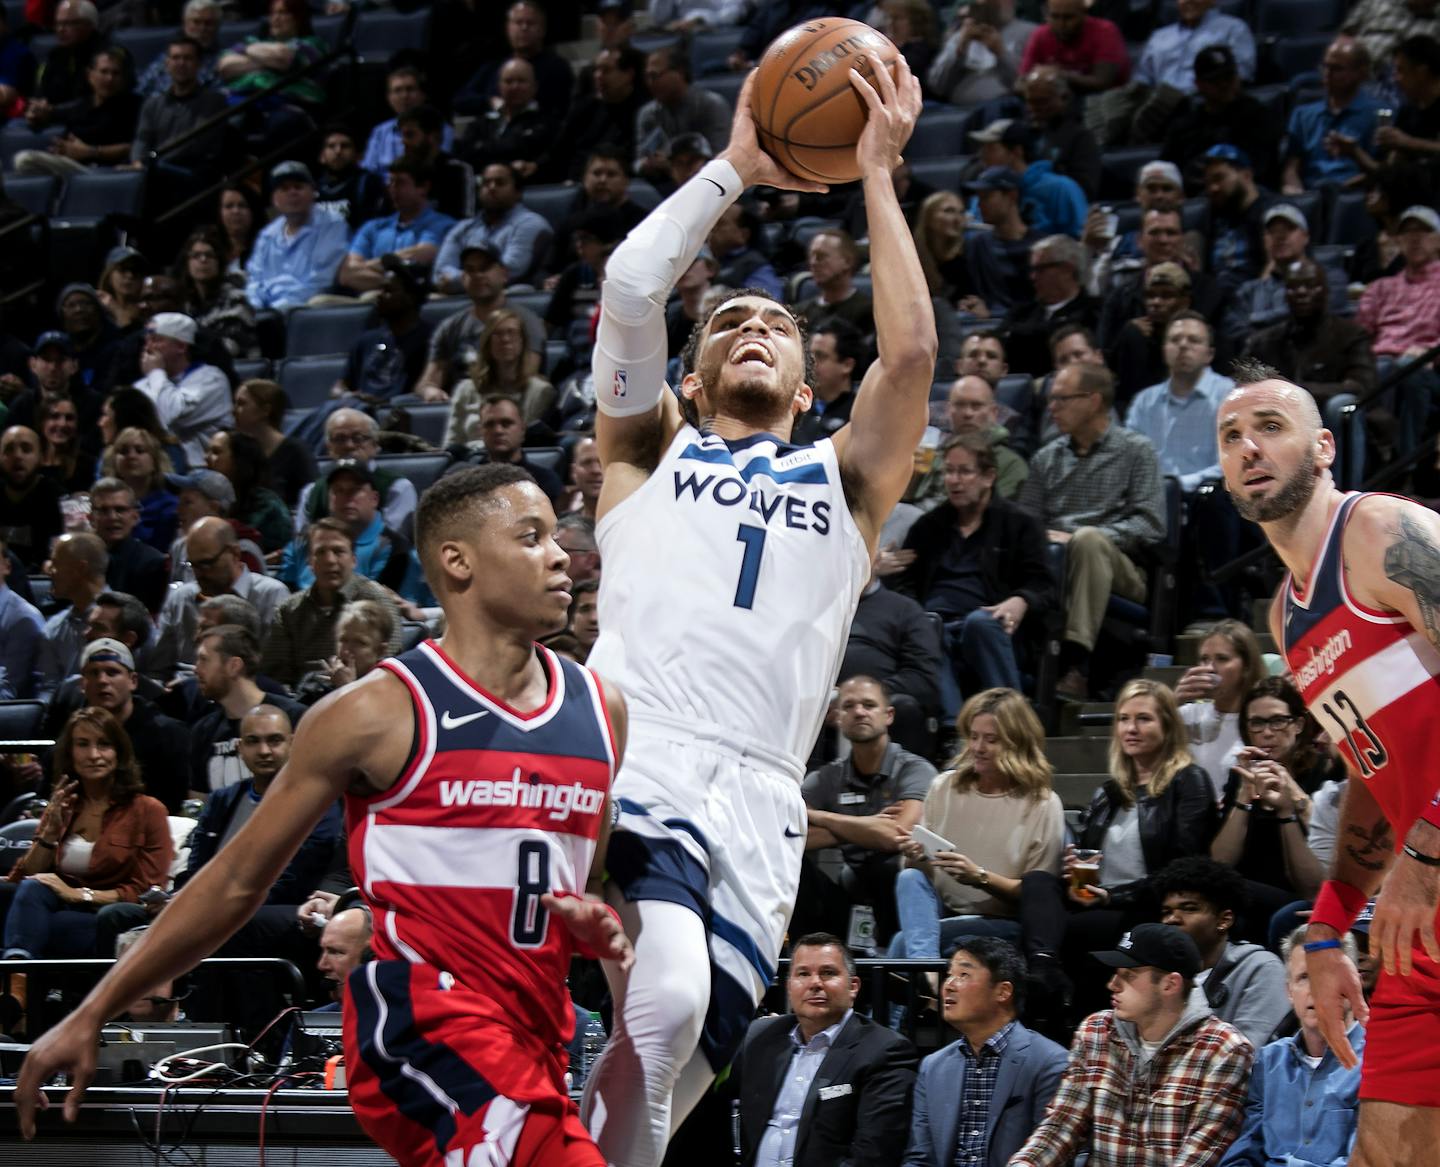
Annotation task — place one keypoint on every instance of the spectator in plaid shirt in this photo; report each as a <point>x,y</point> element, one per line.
<point>1154,1082</point>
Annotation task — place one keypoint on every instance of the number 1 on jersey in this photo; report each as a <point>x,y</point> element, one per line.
<point>754,540</point>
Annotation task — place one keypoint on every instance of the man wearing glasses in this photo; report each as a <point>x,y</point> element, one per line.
<point>136,568</point>
<point>1096,489</point>
<point>352,434</point>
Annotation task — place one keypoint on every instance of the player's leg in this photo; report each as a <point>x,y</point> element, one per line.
<point>660,1007</point>
<point>1390,1133</point>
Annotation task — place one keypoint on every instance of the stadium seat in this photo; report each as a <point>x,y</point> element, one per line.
<point>412,632</point>
<point>1290,56</point>
<point>550,458</point>
<point>293,417</point>
<point>1348,221</point>
<point>15,841</point>
<point>427,421</point>
<point>436,312</point>
<point>381,34</point>
<point>17,136</point>
<point>1149,626</point>
<point>552,201</point>
<point>940,173</point>
<point>328,28</point>
<point>1297,17</point>
<point>1276,98</point>
<point>938,135</point>
<point>555,352</point>
<point>648,42</point>
<point>97,194</point>
<point>307,380</point>
<point>248,370</point>
<point>1127,216</point>
<point>537,302</point>
<point>643,195</point>
<point>144,44</point>
<point>421,469</point>
<point>313,332</point>
<point>710,50</point>
<point>34,192</point>
<point>41,45</point>
<point>234,32</point>
<point>1311,204</point>
<point>726,85</point>
<point>1120,167</point>
<point>21,720</point>
<point>1192,214</point>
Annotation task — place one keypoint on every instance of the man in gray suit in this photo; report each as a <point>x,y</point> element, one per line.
<point>978,1099</point>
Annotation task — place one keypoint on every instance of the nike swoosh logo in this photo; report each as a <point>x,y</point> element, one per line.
<point>789,834</point>
<point>719,189</point>
<point>449,721</point>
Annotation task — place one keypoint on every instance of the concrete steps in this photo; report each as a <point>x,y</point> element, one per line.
<point>1078,755</point>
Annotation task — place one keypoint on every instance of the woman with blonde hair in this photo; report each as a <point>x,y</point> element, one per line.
<point>137,458</point>
<point>996,808</point>
<point>940,243</point>
<point>499,367</point>
<point>1210,695</point>
<point>1157,805</point>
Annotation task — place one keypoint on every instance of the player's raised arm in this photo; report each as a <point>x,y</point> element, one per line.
<point>637,416</point>
<point>877,447</point>
<point>342,739</point>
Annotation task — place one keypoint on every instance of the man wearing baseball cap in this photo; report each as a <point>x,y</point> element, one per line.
<point>192,399</point>
<point>1260,302</point>
<point>1221,111</point>
<point>1051,203</point>
<point>1157,186</point>
<point>1402,315</point>
<point>1155,1080</point>
<point>299,251</point>
<point>518,235</point>
<point>1233,226</point>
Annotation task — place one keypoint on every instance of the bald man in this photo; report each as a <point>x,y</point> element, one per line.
<point>77,575</point>
<point>342,947</point>
<point>29,501</point>
<point>1358,619</point>
<point>213,549</point>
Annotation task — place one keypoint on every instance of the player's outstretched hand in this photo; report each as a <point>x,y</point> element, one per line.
<point>894,105</point>
<point>752,164</point>
<point>1405,916</point>
<point>594,925</point>
<point>70,1047</point>
<point>1335,983</point>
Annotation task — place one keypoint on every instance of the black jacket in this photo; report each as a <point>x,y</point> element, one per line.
<point>139,570</point>
<point>1179,821</point>
<point>866,1081</point>
<point>1026,331</point>
<point>1013,556</point>
<point>891,639</point>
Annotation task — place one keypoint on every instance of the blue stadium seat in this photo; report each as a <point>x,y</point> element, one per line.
<point>710,50</point>
<point>381,34</point>
<point>726,85</point>
<point>1119,169</point>
<point>648,42</point>
<point>550,200</point>
<point>249,370</point>
<point>36,193</point>
<point>234,32</point>
<point>327,28</point>
<point>436,312</point>
<point>41,45</point>
<point>938,135</point>
<point>144,44</point>
<point>307,380</point>
<point>294,417</point>
<point>421,469</point>
<point>1292,55</point>
<point>1298,17</point>
<point>548,457</point>
<point>17,136</point>
<point>311,332</point>
<point>643,194</point>
<point>1127,216</point>
<point>804,229</point>
<point>940,173</point>
<point>99,193</point>
<point>1311,204</point>
<point>427,421</point>
<point>537,302</point>
<point>1192,214</point>
<point>1348,221</point>
<point>555,352</point>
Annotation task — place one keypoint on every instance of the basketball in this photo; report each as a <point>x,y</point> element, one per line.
<point>807,114</point>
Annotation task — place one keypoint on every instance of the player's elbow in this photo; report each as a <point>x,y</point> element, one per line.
<point>636,286</point>
<point>914,363</point>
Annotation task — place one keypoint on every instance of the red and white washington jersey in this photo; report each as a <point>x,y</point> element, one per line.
<point>1370,679</point>
<point>494,809</point>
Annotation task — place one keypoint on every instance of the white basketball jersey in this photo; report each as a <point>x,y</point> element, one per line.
<point>730,580</point>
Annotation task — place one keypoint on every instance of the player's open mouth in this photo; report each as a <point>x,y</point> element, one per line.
<point>1258,479</point>
<point>752,352</point>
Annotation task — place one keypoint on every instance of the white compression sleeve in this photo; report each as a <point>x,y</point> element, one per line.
<point>630,343</point>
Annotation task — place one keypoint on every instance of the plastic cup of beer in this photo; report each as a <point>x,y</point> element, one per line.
<point>1085,871</point>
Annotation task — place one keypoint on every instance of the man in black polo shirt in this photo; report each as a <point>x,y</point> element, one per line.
<point>861,804</point>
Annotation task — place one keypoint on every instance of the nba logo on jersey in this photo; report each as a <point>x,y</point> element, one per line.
<point>621,385</point>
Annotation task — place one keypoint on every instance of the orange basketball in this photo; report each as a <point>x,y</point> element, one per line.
<point>808,115</point>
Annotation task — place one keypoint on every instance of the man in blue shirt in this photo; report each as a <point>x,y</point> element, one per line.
<point>404,91</point>
<point>413,234</point>
<point>1345,114</point>
<point>1178,415</point>
<point>1169,56</point>
<point>1301,1106</point>
<point>1050,203</point>
<point>519,236</point>
<point>21,630</point>
<point>298,253</point>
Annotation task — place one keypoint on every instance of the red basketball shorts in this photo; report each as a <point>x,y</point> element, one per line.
<point>438,1080</point>
<point>1402,1040</point>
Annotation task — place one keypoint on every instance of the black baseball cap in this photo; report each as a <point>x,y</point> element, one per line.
<point>1161,946</point>
<point>353,467</point>
<point>1214,62</point>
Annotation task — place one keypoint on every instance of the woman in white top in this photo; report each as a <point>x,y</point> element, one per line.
<point>1210,695</point>
<point>996,806</point>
